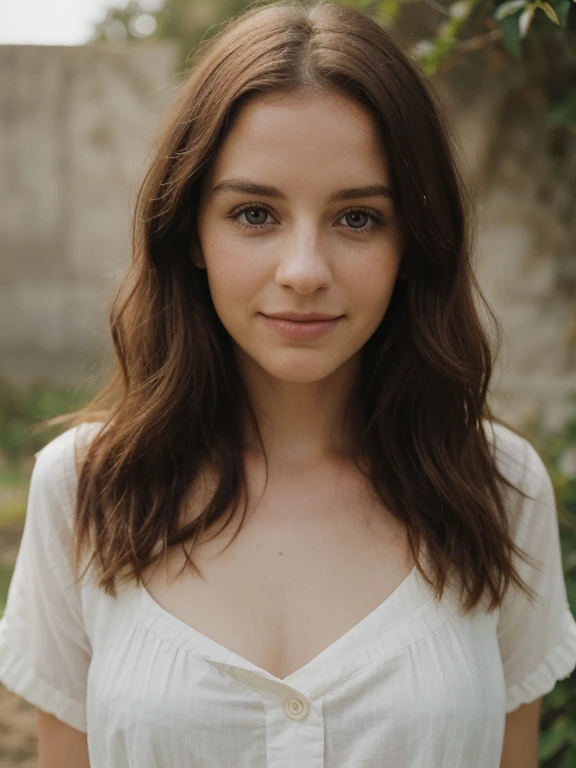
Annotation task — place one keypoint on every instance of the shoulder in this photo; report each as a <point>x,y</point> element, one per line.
<point>58,457</point>
<point>55,472</point>
<point>516,458</point>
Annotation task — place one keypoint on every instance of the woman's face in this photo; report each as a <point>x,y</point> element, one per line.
<point>304,246</point>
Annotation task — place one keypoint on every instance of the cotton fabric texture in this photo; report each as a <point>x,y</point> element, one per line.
<point>415,684</point>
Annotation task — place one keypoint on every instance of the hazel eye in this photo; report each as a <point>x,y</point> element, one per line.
<point>253,212</point>
<point>375,220</point>
<point>255,219</point>
<point>355,214</point>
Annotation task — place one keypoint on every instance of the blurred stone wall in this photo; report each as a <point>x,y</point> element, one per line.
<point>525,179</point>
<point>76,125</point>
<point>75,130</point>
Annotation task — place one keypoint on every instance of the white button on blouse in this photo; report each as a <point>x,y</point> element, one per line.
<point>415,684</point>
<point>296,709</point>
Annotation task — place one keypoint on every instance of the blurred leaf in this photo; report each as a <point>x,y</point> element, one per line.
<point>550,12</point>
<point>558,696</point>
<point>562,10</point>
<point>510,35</point>
<point>526,19</point>
<point>552,740</point>
<point>508,8</point>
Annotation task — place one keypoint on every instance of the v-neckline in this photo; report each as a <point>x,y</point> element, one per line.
<point>408,595</point>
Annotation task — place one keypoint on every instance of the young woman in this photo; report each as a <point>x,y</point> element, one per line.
<point>290,532</point>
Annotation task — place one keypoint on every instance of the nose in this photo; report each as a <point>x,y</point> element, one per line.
<point>303,264</point>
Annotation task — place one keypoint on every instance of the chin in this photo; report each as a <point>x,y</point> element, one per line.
<point>292,378</point>
<point>299,372</point>
<point>299,365</point>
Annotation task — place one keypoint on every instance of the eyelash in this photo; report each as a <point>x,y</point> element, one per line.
<point>376,219</point>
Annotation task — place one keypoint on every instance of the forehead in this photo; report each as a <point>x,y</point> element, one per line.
<point>323,135</point>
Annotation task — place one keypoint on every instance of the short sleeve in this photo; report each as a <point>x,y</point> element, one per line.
<point>44,649</point>
<point>537,642</point>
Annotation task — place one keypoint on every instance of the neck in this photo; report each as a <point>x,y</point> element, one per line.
<point>302,424</point>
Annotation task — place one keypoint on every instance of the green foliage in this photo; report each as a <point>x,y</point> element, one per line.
<point>557,746</point>
<point>5,576</point>
<point>20,414</point>
<point>523,12</point>
<point>447,35</point>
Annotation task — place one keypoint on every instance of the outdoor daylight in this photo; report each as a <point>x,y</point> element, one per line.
<point>376,381</point>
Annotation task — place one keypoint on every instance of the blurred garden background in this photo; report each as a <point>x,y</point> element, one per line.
<point>83,85</point>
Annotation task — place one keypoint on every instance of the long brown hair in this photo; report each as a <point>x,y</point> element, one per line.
<point>175,400</point>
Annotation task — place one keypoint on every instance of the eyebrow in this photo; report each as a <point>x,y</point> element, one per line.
<point>252,188</point>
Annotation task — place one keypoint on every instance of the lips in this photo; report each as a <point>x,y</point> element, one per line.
<point>301,330</point>
<point>301,317</point>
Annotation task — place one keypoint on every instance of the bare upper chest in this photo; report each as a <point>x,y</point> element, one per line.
<point>313,559</point>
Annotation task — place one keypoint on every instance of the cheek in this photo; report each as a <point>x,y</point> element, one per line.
<point>233,276</point>
<point>370,287</point>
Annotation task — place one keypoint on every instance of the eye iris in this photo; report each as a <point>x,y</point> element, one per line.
<point>255,211</point>
<point>259,212</point>
<point>353,214</point>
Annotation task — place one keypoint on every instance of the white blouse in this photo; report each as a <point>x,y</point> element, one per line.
<point>415,684</point>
